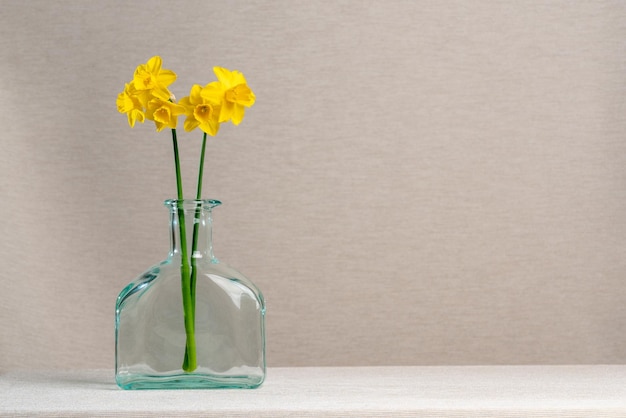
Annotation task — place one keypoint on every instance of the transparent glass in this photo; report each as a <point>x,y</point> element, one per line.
<point>190,307</point>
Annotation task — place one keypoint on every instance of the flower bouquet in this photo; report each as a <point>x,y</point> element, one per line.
<point>189,321</point>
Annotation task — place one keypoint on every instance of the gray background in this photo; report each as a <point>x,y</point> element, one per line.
<point>419,182</point>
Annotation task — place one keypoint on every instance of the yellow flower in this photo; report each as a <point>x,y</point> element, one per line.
<point>150,77</point>
<point>164,113</point>
<point>232,91</point>
<point>201,112</point>
<point>129,103</point>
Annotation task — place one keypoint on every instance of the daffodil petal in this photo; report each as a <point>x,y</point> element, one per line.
<point>135,115</point>
<point>213,92</point>
<point>176,108</point>
<point>185,102</point>
<point>210,127</point>
<point>237,115</point>
<point>223,75</point>
<point>122,103</point>
<point>194,95</point>
<point>226,111</point>
<point>154,64</point>
<point>166,77</point>
<point>190,123</point>
<point>237,78</point>
<point>163,94</point>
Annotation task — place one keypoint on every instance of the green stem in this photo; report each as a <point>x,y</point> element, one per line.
<point>190,362</point>
<point>201,169</point>
<point>196,225</point>
<point>179,180</point>
<point>196,229</point>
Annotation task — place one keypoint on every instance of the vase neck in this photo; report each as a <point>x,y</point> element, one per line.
<point>191,227</point>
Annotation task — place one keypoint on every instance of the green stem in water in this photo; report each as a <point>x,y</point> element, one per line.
<point>190,362</point>
<point>196,228</point>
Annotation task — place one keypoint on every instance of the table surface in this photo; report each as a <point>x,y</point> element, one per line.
<point>429,391</point>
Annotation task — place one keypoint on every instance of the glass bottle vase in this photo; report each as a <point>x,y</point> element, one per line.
<point>190,322</point>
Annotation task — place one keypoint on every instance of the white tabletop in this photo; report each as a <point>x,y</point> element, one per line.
<point>446,391</point>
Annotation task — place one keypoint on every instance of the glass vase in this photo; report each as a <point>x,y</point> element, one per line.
<point>191,321</point>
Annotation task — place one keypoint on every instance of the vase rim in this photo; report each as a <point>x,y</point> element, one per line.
<point>192,203</point>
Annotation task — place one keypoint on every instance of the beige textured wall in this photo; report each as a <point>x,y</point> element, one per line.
<point>420,182</point>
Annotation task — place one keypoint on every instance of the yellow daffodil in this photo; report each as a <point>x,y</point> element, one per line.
<point>130,104</point>
<point>201,112</point>
<point>232,91</point>
<point>164,113</point>
<point>152,78</point>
